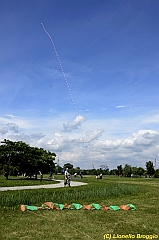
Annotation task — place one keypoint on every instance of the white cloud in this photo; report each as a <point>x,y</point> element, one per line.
<point>31,139</point>
<point>152,119</point>
<point>10,116</point>
<point>75,124</point>
<point>89,146</point>
<point>135,150</point>
<point>3,130</point>
<point>13,127</point>
<point>91,136</point>
<point>17,122</point>
<point>37,136</point>
<point>120,106</point>
<point>60,143</point>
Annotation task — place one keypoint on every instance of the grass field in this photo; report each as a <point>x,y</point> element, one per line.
<point>22,181</point>
<point>143,223</point>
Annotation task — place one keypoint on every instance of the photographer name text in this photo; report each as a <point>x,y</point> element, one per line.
<point>130,236</point>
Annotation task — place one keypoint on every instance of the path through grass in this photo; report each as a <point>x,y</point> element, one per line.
<point>83,224</point>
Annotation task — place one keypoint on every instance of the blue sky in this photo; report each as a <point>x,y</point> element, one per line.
<point>100,106</point>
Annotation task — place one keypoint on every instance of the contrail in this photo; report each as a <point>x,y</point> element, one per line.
<point>63,73</point>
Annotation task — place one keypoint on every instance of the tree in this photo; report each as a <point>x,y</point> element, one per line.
<point>119,170</point>
<point>68,165</point>
<point>114,172</point>
<point>58,169</point>
<point>140,171</point>
<point>156,175</point>
<point>150,168</point>
<point>25,159</point>
<point>134,171</point>
<point>77,169</point>
<point>127,170</point>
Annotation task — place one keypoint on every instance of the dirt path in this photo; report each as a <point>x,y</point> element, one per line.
<point>56,185</point>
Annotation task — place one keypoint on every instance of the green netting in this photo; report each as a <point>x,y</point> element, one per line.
<point>95,206</point>
<point>60,206</point>
<point>31,208</point>
<point>115,208</point>
<point>132,207</point>
<point>76,206</point>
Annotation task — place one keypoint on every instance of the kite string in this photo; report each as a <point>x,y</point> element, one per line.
<point>63,73</point>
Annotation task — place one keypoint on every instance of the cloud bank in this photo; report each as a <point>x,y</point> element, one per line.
<point>91,146</point>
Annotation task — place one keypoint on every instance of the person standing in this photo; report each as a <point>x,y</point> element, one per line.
<point>67,178</point>
<point>80,174</point>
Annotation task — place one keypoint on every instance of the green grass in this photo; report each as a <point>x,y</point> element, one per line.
<point>83,224</point>
<point>22,181</point>
<point>83,193</point>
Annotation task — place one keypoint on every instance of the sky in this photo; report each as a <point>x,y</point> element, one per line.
<point>81,79</point>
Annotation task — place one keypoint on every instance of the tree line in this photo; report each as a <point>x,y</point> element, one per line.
<point>18,157</point>
<point>126,171</point>
<point>129,171</point>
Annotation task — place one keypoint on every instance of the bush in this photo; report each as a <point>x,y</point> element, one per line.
<point>156,174</point>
